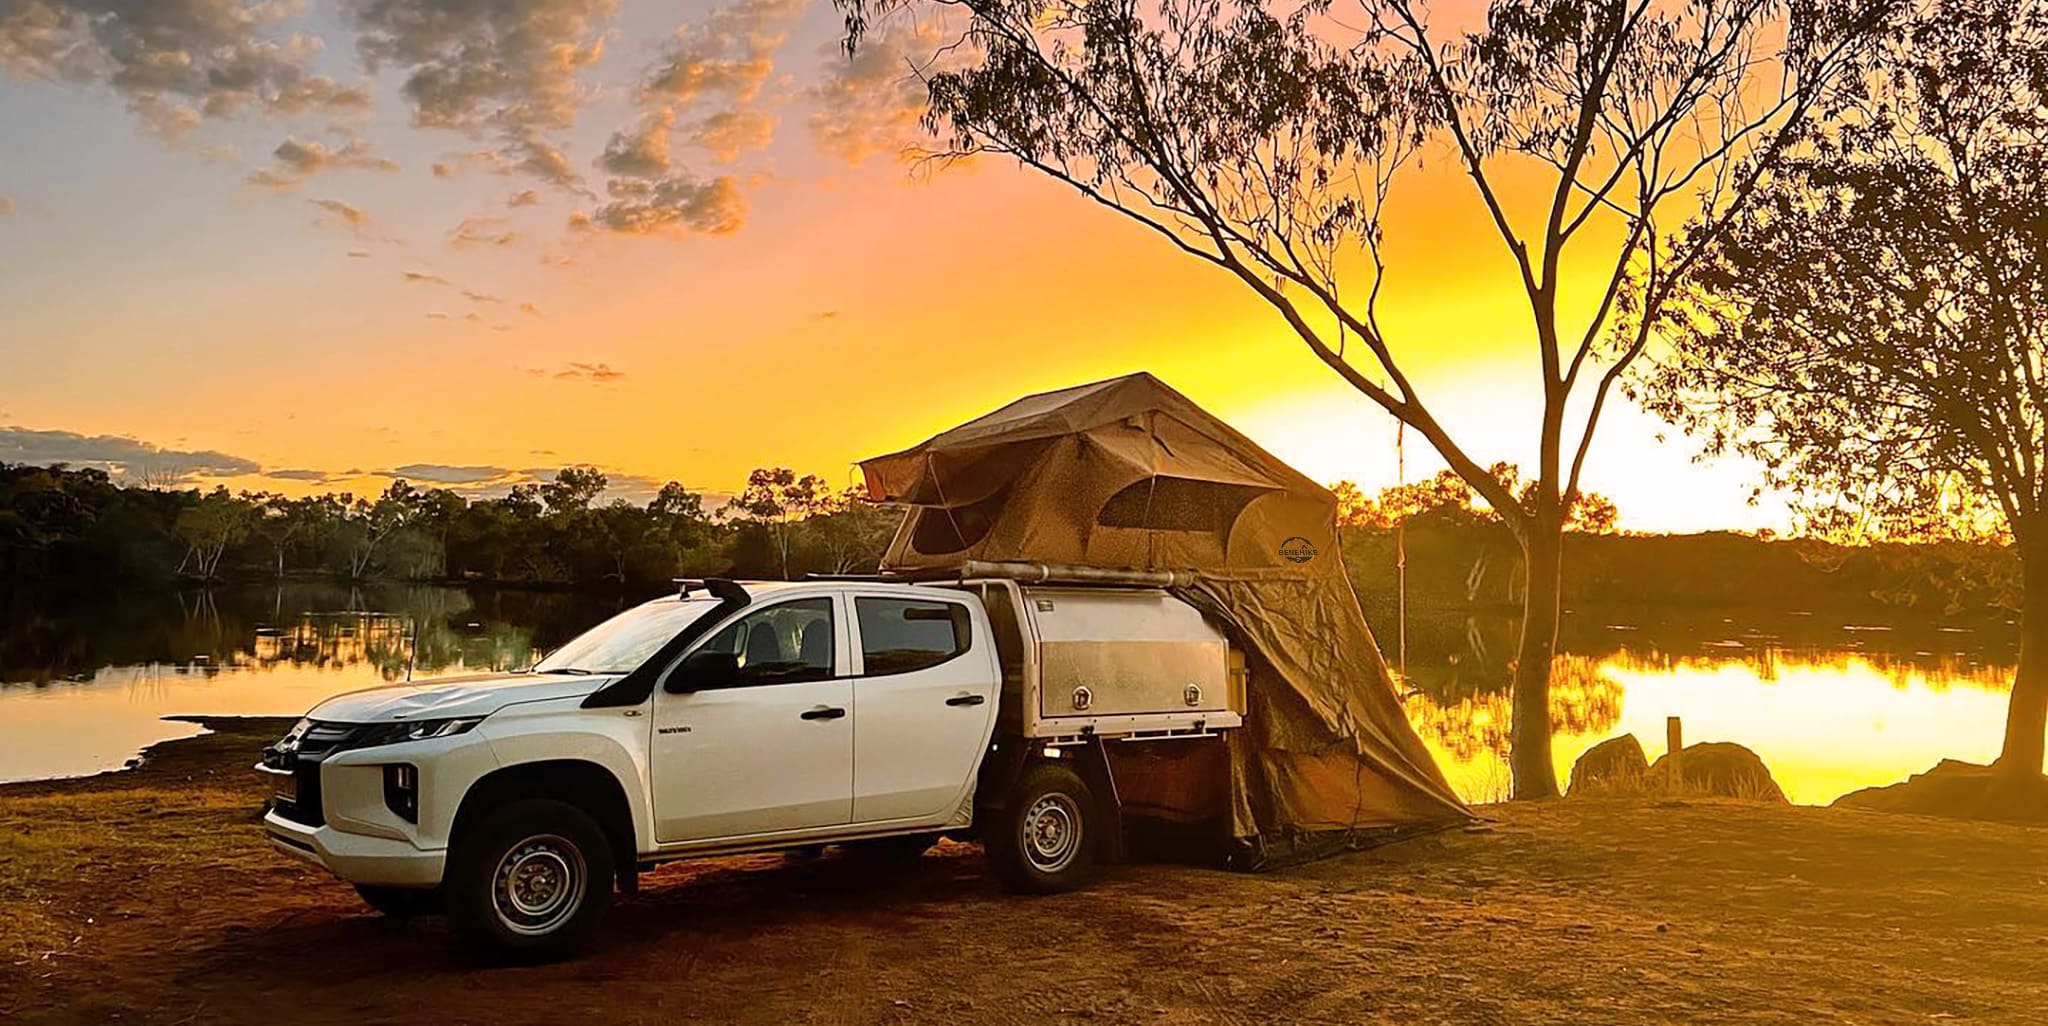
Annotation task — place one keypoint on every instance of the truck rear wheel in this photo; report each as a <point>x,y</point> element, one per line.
<point>1044,839</point>
<point>531,880</point>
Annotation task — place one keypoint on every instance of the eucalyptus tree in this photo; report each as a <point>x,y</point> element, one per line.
<point>1266,138</point>
<point>209,527</point>
<point>1875,330</point>
<point>778,499</point>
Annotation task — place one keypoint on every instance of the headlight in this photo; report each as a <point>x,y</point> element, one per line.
<point>417,730</point>
<point>278,755</point>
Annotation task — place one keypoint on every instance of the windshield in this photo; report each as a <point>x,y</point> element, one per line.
<point>622,643</point>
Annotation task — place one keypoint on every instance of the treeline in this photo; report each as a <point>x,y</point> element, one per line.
<point>1460,555</point>
<point>79,528</point>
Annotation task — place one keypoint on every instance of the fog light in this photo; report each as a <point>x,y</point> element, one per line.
<point>402,790</point>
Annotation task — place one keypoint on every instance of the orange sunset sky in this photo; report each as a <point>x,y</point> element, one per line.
<point>673,240</point>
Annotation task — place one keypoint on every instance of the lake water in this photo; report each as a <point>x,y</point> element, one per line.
<point>1830,703</point>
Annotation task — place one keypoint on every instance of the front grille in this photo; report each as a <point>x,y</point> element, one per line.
<point>324,739</point>
<point>303,807</point>
<point>319,741</point>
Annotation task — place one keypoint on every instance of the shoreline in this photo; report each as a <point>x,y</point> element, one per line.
<point>170,755</point>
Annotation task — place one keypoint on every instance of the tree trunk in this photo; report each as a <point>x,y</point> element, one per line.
<point>2026,719</point>
<point>1529,736</point>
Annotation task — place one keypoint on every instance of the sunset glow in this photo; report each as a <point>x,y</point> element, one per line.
<point>415,312</point>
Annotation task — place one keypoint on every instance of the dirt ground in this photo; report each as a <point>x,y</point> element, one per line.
<point>149,897</point>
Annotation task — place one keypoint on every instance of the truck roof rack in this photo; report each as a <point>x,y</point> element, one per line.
<point>723,588</point>
<point>1053,573</point>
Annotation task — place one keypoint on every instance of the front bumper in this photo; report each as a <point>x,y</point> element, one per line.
<point>381,861</point>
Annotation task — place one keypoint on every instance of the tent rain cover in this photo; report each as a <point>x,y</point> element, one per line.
<point>1129,474</point>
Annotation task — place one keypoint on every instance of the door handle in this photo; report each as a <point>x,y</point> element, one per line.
<point>823,712</point>
<point>966,700</point>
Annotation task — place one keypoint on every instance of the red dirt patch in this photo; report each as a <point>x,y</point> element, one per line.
<point>154,899</point>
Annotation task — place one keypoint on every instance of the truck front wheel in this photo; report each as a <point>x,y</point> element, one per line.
<point>531,880</point>
<point>1044,839</point>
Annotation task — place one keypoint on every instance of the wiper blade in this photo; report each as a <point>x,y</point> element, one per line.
<point>574,670</point>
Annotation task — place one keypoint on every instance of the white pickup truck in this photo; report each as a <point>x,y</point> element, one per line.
<point>751,717</point>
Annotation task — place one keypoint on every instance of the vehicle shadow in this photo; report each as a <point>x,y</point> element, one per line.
<point>680,908</point>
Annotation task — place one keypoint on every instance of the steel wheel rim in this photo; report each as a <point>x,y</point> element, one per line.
<point>1052,832</point>
<point>538,885</point>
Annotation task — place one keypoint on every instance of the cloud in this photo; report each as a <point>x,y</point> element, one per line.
<point>480,297</point>
<point>345,216</point>
<point>530,309</point>
<point>443,473</point>
<point>732,54</point>
<point>870,103</point>
<point>293,162</point>
<point>490,482</point>
<point>598,372</point>
<point>673,205</point>
<point>452,164</point>
<point>641,150</point>
<point>424,278</point>
<point>483,231</point>
<point>315,476</point>
<point>6,207</point>
<point>437,316</point>
<point>523,198</point>
<point>704,92</point>
<point>729,134</point>
<point>124,457</point>
<point>506,67</point>
<point>358,254</point>
<point>176,63</point>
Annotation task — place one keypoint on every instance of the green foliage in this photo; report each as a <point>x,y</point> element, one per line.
<point>1875,331</point>
<point>79,529</point>
<point>1448,497</point>
<point>774,499</point>
<point>1464,564</point>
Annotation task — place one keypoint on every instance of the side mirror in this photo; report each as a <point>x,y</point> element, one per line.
<point>702,670</point>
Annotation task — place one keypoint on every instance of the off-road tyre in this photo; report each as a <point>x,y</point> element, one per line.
<point>530,881</point>
<point>1045,837</point>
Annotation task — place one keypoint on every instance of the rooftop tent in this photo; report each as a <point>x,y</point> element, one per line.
<point>1129,474</point>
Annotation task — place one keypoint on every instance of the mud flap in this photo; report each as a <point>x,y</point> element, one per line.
<point>1000,770</point>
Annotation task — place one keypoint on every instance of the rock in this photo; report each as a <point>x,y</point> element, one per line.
<point>1613,766</point>
<point>1720,769</point>
<point>1959,790</point>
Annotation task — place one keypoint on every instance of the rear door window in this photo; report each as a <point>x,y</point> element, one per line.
<point>903,635</point>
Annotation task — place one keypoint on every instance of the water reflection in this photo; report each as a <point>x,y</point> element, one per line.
<point>1831,706</point>
<point>84,688</point>
<point>1831,703</point>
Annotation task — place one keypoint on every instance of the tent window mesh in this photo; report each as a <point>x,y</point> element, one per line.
<point>1177,504</point>
<point>941,532</point>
